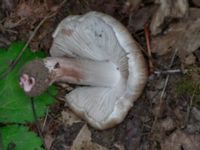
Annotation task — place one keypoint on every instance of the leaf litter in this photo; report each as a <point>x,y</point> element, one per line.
<point>173,25</point>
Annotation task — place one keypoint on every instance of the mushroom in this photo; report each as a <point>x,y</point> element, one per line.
<point>97,53</point>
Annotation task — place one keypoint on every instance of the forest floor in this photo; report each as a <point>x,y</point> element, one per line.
<point>167,114</point>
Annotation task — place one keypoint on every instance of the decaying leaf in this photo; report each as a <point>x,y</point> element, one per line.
<point>189,60</point>
<point>196,2</point>
<point>48,139</point>
<point>83,141</point>
<point>183,36</point>
<point>131,5</point>
<point>119,146</point>
<point>159,107</point>
<point>8,5</point>
<point>32,11</point>
<point>179,140</point>
<point>69,117</point>
<point>167,9</point>
<point>166,124</point>
<point>197,55</point>
<point>138,18</point>
<point>196,113</point>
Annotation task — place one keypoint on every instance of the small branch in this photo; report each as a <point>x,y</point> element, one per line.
<point>147,37</point>
<point>163,90</point>
<point>38,126</point>
<point>169,71</point>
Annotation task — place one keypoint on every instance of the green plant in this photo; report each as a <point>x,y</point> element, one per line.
<point>15,106</point>
<point>189,85</point>
<point>12,133</point>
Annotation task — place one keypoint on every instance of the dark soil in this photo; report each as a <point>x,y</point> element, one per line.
<point>169,105</point>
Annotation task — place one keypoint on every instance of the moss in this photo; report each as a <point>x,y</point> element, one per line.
<point>189,85</point>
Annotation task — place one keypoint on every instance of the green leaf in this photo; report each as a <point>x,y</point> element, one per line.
<point>19,138</point>
<point>15,106</point>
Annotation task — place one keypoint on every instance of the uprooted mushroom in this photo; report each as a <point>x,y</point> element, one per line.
<point>97,52</point>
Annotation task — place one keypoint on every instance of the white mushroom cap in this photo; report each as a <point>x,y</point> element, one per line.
<point>99,37</point>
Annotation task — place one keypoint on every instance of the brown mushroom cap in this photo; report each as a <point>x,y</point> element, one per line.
<point>99,37</point>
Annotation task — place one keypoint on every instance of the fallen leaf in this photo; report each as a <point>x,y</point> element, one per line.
<point>193,128</point>
<point>130,6</point>
<point>133,134</point>
<point>184,36</point>
<point>69,117</point>
<point>167,9</point>
<point>196,2</point>
<point>159,108</point>
<point>166,124</point>
<point>8,5</point>
<point>83,141</point>
<point>106,6</point>
<point>189,60</point>
<point>24,10</point>
<point>196,113</point>
<point>197,54</point>
<point>119,146</point>
<point>138,18</point>
<point>48,139</point>
<point>180,140</point>
<point>27,12</point>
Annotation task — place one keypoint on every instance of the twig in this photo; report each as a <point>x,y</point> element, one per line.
<point>147,37</point>
<point>5,73</point>
<point>38,126</point>
<point>170,71</point>
<point>164,89</point>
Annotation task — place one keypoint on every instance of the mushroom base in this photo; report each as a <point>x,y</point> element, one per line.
<point>35,69</point>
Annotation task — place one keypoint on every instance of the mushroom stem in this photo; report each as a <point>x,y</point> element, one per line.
<point>82,71</point>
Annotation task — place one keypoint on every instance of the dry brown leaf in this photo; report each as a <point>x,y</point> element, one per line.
<point>8,5</point>
<point>179,140</point>
<point>48,139</point>
<point>131,5</point>
<point>183,36</point>
<point>138,18</point>
<point>28,12</point>
<point>167,9</point>
<point>196,113</point>
<point>83,141</point>
<point>69,118</point>
<point>166,124</point>
<point>106,6</point>
<point>189,60</point>
<point>197,54</point>
<point>24,10</point>
<point>119,146</point>
<point>162,126</point>
<point>159,107</point>
<point>196,2</point>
